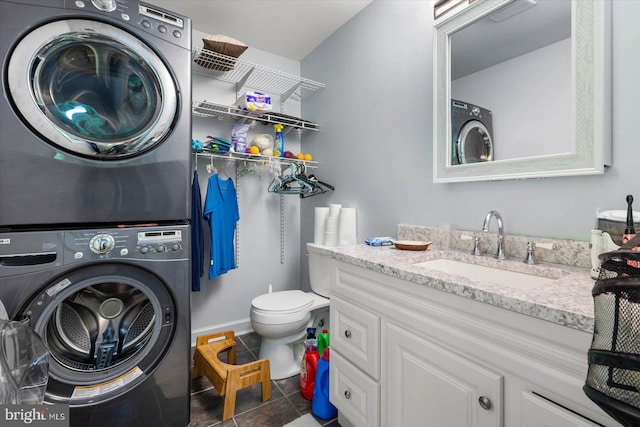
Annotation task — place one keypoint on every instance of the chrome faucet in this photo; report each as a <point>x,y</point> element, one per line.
<point>485,228</point>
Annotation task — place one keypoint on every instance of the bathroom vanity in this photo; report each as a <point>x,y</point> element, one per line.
<point>414,346</point>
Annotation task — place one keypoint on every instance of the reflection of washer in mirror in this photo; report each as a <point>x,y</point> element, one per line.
<point>471,132</point>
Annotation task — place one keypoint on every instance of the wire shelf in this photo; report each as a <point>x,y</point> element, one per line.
<point>226,112</point>
<point>256,158</point>
<point>246,74</point>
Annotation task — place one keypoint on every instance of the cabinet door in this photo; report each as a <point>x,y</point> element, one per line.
<point>354,394</point>
<point>539,412</point>
<point>429,386</point>
<point>355,333</point>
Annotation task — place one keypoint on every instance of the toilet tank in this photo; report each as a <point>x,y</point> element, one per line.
<point>319,270</point>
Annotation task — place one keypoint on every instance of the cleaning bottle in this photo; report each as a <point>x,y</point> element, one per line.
<point>278,143</point>
<point>323,341</point>
<point>309,364</point>
<point>320,405</point>
<point>311,337</point>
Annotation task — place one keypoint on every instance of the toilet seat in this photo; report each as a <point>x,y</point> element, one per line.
<point>283,302</point>
<point>283,308</point>
<point>281,318</point>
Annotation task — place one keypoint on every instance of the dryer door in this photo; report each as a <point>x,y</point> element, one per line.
<point>473,144</point>
<point>92,89</point>
<point>106,326</point>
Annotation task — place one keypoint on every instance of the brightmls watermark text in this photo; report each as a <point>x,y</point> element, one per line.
<point>34,415</point>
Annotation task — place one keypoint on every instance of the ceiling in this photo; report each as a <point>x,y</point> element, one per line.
<point>289,28</point>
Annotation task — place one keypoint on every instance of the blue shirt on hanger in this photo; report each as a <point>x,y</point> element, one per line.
<point>221,212</point>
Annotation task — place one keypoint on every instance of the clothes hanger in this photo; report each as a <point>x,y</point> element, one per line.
<point>322,183</point>
<point>290,183</point>
<point>319,187</point>
<point>210,167</point>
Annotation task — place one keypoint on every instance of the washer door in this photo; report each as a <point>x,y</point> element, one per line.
<point>106,326</point>
<point>92,89</point>
<point>473,144</point>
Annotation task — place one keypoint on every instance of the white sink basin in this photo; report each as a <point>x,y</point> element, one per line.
<point>483,273</point>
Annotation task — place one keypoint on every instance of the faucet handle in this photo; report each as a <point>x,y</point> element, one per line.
<point>530,257</point>
<point>476,244</point>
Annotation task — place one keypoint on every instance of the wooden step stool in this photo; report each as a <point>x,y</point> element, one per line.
<point>228,378</point>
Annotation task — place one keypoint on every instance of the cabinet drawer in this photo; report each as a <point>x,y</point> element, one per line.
<point>355,333</point>
<point>355,395</point>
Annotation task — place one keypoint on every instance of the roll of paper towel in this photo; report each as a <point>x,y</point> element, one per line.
<point>334,209</point>
<point>332,224</point>
<point>330,238</point>
<point>347,227</point>
<point>320,225</point>
<point>331,232</point>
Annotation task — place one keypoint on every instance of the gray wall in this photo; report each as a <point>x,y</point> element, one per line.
<point>375,142</point>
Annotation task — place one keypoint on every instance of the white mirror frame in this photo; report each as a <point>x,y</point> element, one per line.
<point>591,69</point>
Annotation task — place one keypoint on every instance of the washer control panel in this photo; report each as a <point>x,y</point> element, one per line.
<point>153,243</point>
<point>160,241</point>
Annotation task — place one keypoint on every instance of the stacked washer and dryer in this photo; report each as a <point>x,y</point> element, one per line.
<point>95,161</point>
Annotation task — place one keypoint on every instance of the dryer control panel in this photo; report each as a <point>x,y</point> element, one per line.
<point>151,19</point>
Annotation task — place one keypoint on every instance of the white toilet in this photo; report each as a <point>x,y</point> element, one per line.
<point>282,318</point>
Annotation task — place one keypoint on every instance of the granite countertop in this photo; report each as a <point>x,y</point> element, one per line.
<point>566,301</point>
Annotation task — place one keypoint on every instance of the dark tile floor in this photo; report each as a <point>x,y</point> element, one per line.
<point>286,403</point>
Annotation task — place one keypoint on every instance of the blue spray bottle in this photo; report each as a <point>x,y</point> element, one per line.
<point>278,144</point>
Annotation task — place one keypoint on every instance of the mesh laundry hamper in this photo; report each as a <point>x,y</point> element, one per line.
<point>613,379</point>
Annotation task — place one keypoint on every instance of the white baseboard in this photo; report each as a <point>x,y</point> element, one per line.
<point>240,327</point>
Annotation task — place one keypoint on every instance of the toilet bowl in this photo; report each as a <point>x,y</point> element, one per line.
<point>282,318</point>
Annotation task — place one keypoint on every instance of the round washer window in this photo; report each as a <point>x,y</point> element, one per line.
<point>474,143</point>
<point>106,326</point>
<point>92,89</point>
<point>100,327</point>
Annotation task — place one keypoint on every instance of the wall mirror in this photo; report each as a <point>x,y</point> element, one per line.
<point>522,90</point>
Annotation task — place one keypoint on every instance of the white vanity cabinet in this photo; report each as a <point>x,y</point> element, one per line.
<point>405,354</point>
<point>430,385</point>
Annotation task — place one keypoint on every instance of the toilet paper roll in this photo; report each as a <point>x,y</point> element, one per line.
<point>332,224</point>
<point>330,238</point>
<point>347,227</point>
<point>334,209</point>
<point>320,225</point>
